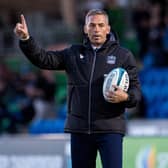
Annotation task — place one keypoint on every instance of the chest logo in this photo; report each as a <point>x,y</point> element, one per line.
<point>111,59</point>
<point>81,56</point>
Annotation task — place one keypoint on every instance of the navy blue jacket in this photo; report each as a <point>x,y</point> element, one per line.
<point>88,112</point>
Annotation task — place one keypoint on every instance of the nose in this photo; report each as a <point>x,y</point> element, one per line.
<point>96,29</point>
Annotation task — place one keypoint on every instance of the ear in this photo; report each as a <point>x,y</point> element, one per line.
<point>85,29</point>
<point>108,29</point>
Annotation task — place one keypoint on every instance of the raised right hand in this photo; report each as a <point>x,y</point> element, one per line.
<point>21,29</point>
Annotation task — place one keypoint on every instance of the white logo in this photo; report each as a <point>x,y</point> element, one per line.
<point>81,56</point>
<point>111,59</point>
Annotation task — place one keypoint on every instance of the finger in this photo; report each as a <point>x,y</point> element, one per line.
<point>19,28</point>
<point>110,95</point>
<point>107,94</point>
<point>23,21</point>
<point>111,100</point>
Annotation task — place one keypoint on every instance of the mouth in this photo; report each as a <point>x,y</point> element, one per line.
<point>96,36</point>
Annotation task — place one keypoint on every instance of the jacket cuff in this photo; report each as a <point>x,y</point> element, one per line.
<point>24,41</point>
<point>130,101</point>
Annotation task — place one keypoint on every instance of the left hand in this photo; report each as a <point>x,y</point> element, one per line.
<point>21,29</point>
<point>116,96</point>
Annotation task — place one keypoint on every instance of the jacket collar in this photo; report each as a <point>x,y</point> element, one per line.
<point>112,39</point>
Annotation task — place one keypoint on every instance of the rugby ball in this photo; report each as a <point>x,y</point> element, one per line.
<point>118,77</point>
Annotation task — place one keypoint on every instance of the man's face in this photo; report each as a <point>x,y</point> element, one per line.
<point>97,28</point>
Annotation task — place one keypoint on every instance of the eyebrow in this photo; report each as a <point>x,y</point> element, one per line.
<point>91,23</point>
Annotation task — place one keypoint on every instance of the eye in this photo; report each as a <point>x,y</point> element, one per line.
<point>91,25</point>
<point>101,25</point>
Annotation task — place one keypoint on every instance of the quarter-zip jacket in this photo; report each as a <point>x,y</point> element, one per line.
<point>88,112</point>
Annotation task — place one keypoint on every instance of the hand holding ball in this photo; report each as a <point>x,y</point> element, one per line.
<point>118,77</point>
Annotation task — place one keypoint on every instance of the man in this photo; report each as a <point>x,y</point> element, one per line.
<point>94,124</point>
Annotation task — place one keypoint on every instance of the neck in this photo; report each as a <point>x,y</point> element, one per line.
<point>96,45</point>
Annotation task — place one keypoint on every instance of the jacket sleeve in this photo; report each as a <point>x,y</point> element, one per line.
<point>134,90</point>
<point>43,59</point>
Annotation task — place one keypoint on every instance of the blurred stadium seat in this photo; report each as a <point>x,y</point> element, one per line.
<point>155,91</point>
<point>50,125</point>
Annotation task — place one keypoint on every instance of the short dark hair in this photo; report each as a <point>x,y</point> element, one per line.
<point>93,12</point>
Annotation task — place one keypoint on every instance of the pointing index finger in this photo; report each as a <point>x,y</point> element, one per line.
<point>23,21</point>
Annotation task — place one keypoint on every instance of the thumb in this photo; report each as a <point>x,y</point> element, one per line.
<point>115,87</point>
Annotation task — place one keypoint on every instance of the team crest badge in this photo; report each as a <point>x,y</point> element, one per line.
<point>111,59</point>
